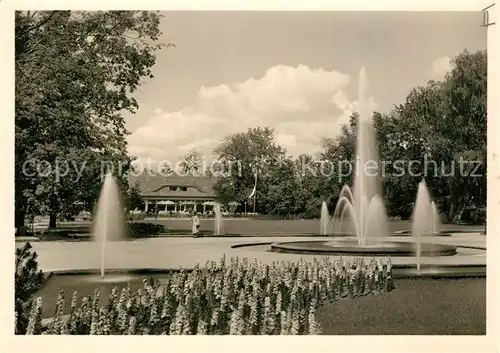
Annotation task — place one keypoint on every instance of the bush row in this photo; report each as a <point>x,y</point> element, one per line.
<point>143,229</point>
<point>139,229</point>
<point>237,297</point>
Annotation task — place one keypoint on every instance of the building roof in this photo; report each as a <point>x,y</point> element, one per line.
<point>156,185</point>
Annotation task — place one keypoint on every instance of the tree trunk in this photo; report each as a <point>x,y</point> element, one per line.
<point>53,211</point>
<point>455,217</point>
<point>458,216</point>
<point>53,220</point>
<point>19,216</point>
<point>450,213</point>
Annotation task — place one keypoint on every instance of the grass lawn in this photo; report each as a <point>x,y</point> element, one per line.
<point>250,227</point>
<point>415,307</point>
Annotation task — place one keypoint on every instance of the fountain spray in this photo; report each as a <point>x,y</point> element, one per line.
<point>363,207</point>
<point>422,222</point>
<point>109,219</point>
<point>324,219</point>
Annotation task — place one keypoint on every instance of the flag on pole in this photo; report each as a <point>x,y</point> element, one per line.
<point>254,187</point>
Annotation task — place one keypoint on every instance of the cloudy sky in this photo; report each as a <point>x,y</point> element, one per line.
<point>294,71</point>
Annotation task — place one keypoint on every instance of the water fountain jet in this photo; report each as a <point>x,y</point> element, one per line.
<point>109,218</point>
<point>422,221</point>
<point>324,219</point>
<point>363,205</point>
<point>436,221</point>
<point>217,220</point>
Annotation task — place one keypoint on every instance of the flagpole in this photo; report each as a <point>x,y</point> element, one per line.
<point>255,194</point>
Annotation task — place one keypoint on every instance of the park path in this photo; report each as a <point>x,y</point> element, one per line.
<point>165,253</point>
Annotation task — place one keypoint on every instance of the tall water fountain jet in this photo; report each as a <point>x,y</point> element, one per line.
<point>217,220</point>
<point>436,219</point>
<point>109,218</point>
<point>422,222</point>
<point>324,220</point>
<point>359,206</point>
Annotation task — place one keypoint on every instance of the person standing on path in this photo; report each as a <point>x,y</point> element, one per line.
<point>196,224</point>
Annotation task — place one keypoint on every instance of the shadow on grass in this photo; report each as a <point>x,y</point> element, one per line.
<point>74,236</point>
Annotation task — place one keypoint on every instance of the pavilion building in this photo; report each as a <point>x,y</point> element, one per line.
<point>175,193</point>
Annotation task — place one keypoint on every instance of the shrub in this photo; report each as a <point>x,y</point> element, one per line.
<point>145,229</point>
<point>136,216</point>
<point>139,229</point>
<point>474,215</point>
<point>28,280</point>
<point>237,298</point>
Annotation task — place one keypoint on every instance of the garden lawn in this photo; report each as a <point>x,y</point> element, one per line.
<point>231,227</point>
<point>242,226</point>
<point>415,307</point>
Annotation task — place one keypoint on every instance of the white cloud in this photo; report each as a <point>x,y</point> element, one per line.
<point>286,140</point>
<point>440,67</point>
<point>303,104</point>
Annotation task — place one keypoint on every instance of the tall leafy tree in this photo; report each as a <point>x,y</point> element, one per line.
<point>134,199</point>
<point>408,138</point>
<point>76,73</point>
<point>445,122</point>
<point>340,153</point>
<point>464,124</point>
<point>279,193</point>
<point>191,163</point>
<point>441,131</point>
<point>310,185</point>
<point>241,156</point>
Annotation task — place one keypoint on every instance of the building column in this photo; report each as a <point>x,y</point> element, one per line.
<point>204,207</point>
<point>146,207</point>
<point>175,205</point>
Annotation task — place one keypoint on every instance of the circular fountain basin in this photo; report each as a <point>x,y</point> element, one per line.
<point>443,232</point>
<point>108,278</point>
<point>85,282</point>
<point>352,248</point>
<point>441,271</point>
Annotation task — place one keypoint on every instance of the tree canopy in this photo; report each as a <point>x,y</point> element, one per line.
<point>191,163</point>
<point>76,73</point>
<point>243,155</point>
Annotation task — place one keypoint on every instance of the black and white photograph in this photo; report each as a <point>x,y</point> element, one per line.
<point>263,173</point>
